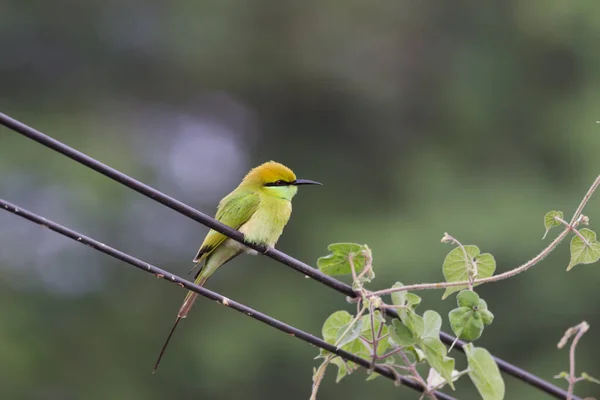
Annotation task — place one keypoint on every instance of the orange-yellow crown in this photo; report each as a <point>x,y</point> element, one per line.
<point>269,172</point>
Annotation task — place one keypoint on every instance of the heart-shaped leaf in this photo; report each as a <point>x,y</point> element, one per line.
<point>467,298</point>
<point>404,298</point>
<point>337,263</point>
<point>456,267</point>
<point>334,325</point>
<point>582,252</point>
<point>550,222</point>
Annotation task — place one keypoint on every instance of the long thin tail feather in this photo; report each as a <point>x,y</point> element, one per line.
<point>201,278</point>
<point>185,308</point>
<point>164,347</point>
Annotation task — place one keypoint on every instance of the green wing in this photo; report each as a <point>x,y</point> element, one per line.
<point>234,210</point>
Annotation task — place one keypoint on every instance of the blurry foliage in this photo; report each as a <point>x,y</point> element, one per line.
<point>419,117</point>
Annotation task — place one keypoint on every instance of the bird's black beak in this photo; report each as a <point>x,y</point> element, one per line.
<point>299,182</point>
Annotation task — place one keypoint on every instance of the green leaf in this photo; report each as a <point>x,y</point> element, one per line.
<point>398,298</point>
<point>468,320</point>
<point>336,321</point>
<point>482,304</point>
<point>433,324</point>
<point>456,267</point>
<point>467,298</point>
<point>337,263</point>
<point>435,354</point>
<point>582,253</point>
<point>414,354</point>
<point>355,347</point>
<point>342,368</point>
<point>358,348</point>
<point>412,300</point>
<point>486,316</point>
<point>435,380</point>
<point>404,298</point>
<point>401,335</point>
<point>352,332</point>
<point>484,373</point>
<point>413,322</point>
<point>562,375</point>
<point>334,326</point>
<point>588,378</point>
<point>466,323</point>
<point>372,375</point>
<point>550,222</point>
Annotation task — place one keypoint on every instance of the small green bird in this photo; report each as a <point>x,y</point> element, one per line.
<point>259,207</point>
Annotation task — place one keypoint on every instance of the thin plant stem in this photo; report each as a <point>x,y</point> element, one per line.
<point>416,375</point>
<point>578,331</point>
<point>573,229</point>
<point>508,274</point>
<point>319,374</point>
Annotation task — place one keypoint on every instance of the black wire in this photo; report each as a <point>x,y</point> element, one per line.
<point>210,222</point>
<point>257,315</point>
<point>170,202</point>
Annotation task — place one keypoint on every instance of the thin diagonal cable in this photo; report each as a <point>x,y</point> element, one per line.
<point>275,254</point>
<point>169,202</point>
<point>257,315</point>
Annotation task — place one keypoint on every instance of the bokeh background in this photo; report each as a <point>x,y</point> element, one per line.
<point>474,118</point>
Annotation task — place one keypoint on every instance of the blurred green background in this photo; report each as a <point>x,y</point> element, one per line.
<point>474,118</point>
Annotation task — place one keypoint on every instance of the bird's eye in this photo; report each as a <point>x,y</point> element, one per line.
<point>277,183</point>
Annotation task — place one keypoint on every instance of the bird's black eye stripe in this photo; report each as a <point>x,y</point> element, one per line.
<point>277,183</point>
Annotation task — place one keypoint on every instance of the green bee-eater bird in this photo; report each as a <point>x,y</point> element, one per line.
<point>259,207</point>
